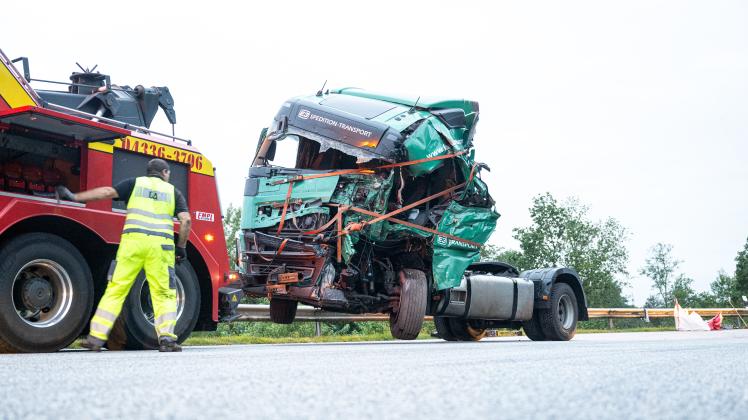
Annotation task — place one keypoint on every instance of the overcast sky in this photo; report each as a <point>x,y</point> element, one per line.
<point>636,108</point>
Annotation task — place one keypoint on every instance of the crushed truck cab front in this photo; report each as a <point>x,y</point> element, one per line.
<point>358,202</point>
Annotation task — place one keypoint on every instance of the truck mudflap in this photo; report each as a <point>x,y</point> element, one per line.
<point>545,278</point>
<point>228,301</point>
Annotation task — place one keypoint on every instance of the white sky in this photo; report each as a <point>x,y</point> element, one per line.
<point>636,108</point>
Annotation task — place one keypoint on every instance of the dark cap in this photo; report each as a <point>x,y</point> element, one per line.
<point>156,166</point>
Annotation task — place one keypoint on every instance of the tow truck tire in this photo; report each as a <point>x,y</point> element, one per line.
<point>559,322</point>
<point>283,311</point>
<point>406,323</point>
<point>464,332</point>
<point>532,328</point>
<point>38,272</point>
<point>134,328</point>
<point>443,329</point>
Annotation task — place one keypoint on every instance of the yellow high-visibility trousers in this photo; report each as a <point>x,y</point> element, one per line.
<point>138,252</point>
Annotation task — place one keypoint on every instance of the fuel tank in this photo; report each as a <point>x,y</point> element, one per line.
<point>491,297</point>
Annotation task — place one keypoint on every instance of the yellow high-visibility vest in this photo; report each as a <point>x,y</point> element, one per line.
<point>150,208</point>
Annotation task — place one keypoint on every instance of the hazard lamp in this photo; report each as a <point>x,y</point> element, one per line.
<point>209,237</point>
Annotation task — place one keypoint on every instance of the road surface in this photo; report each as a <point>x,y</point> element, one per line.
<point>626,375</point>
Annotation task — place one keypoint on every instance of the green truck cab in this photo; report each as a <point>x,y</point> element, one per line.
<point>358,202</point>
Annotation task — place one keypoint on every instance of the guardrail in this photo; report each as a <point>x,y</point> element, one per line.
<point>261,313</point>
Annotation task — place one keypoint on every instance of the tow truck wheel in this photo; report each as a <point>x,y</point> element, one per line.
<point>463,331</point>
<point>46,294</point>
<point>559,322</point>
<point>443,328</point>
<point>406,322</point>
<point>283,311</point>
<point>134,329</point>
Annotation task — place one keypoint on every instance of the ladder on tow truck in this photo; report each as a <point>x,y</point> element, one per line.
<point>15,90</point>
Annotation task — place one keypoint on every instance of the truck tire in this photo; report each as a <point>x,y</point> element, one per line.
<point>406,323</point>
<point>46,294</point>
<point>559,322</point>
<point>283,311</point>
<point>532,328</point>
<point>443,328</point>
<point>134,328</point>
<point>463,331</point>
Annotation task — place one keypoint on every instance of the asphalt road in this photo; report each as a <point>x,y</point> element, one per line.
<point>627,375</point>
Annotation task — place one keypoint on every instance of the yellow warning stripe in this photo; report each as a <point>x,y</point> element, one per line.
<point>197,162</point>
<point>12,91</point>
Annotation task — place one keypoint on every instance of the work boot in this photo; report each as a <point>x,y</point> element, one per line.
<point>168,344</point>
<point>92,344</point>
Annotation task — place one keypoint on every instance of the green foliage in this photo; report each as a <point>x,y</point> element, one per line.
<point>491,252</point>
<point>308,329</point>
<point>231,226</point>
<point>741,274</point>
<point>562,235</point>
<point>724,290</point>
<point>660,267</point>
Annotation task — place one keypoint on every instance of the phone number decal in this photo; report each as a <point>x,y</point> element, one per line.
<point>197,162</point>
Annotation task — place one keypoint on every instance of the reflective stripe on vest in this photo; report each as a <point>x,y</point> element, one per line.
<point>150,208</point>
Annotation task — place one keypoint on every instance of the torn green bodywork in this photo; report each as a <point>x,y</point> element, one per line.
<point>427,141</point>
<point>452,257</point>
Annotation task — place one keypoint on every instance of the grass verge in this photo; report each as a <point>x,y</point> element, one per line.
<point>213,339</point>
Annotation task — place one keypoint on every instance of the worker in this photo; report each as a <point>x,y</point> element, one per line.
<point>147,243</point>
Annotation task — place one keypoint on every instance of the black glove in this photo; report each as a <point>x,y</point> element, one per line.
<point>64,194</point>
<point>180,254</point>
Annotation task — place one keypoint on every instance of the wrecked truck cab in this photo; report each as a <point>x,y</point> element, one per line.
<point>358,202</point>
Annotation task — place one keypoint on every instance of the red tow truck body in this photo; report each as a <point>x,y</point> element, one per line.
<point>42,144</point>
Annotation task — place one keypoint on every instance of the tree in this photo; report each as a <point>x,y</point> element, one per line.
<point>683,291</point>
<point>561,234</point>
<point>741,273</point>
<point>490,252</point>
<point>723,289</point>
<point>660,267</point>
<point>231,226</point>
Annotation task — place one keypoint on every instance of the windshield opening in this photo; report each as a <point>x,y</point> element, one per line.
<point>298,152</point>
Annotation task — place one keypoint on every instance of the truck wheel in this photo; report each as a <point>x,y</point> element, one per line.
<point>134,329</point>
<point>406,323</point>
<point>283,311</point>
<point>559,322</point>
<point>443,328</point>
<point>464,332</point>
<point>46,294</point>
<point>532,328</point>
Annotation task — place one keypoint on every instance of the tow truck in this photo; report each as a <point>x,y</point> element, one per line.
<point>361,202</point>
<point>54,255</point>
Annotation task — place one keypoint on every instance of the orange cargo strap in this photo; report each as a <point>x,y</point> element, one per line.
<point>338,219</point>
<point>299,178</point>
<point>389,216</point>
<point>277,252</point>
<point>285,207</point>
<point>419,227</point>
